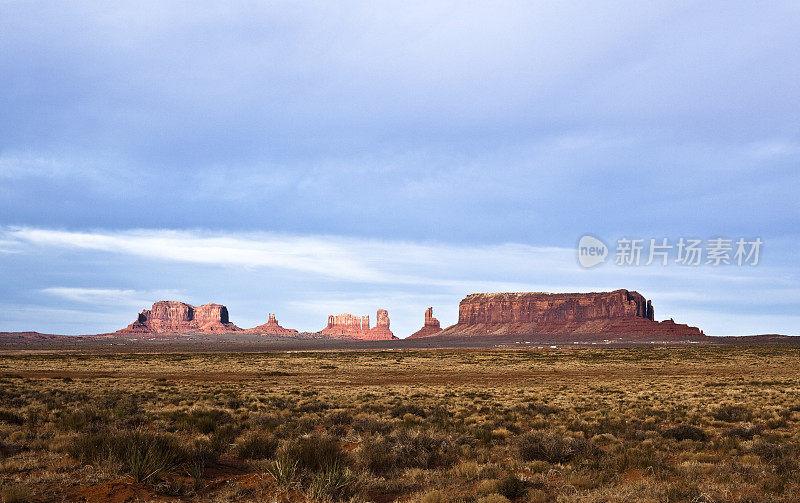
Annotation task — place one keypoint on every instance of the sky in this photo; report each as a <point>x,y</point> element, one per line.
<point>313,158</point>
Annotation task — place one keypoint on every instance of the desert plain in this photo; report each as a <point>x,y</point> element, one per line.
<point>700,423</point>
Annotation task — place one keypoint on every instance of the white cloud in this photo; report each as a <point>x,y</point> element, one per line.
<point>504,267</point>
<point>350,259</point>
<point>111,296</point>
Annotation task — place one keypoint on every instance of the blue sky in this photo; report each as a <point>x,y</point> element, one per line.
<point>315,158</point>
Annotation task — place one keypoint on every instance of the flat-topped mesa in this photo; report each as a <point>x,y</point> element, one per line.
<point>271,327</point>
<point>170,317</point>
<point>621,312</point>
<point>431,326</point>
<point>348,326</point>
<point>536,307</point>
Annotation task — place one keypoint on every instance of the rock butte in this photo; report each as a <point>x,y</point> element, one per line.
<point>349,326</point>
<point>620,312</point>
<point>271,327</point>
<point>167,316</point>
<point>430,327</point>
<point>583,316</point>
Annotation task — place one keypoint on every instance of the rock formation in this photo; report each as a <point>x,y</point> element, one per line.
<point>381,330</point>
<point>271,327</point>
<point>431,326</point>
<point>354,327</point>
<point>620,312</point>
<point>169,317</point>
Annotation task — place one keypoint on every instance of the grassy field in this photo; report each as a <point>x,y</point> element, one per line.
<point>642,424</point>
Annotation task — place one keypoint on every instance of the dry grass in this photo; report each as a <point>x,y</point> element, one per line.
<point>647,424</point>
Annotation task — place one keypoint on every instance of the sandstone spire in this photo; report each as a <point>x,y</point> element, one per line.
<point>430,327</point>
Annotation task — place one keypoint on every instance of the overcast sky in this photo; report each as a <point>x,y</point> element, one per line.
<point>309,159</point>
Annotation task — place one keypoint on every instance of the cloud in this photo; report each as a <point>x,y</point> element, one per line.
<point>501,267</point>
<point>340,258</point>
<point>111,296</point>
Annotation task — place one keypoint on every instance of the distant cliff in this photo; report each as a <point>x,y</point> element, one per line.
<point>621,312</point>
<point>166,317</point>
<point>348,326</point>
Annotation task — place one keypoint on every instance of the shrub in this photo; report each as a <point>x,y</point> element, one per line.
<point>202,420</point>
<point>11,417</point>
<point>200,455</point>
<point>542,408</point>
<point>744,431</point>
<point>468,470</point>
<point>339,417</point>
<point>512,487</point>
<point>407,408</point>
<point>732,413</point>
<point>147,456</point>
<point>415,449</point>
<point>376,456</point>
<point>234,403</point>
<point>314,453</point>
<point>255,445</point>
<point>144,455</point>
<point>685,432</point>
<point>781,456</point>
<point>370,424</point>
<point>407,449</point>
<point>126,406</point>
<point>552,448</point>
<point>223,437</point>
<point>333,483</point>
<point>284,471</point>
<point>311,406</point>
<point>79,419</point>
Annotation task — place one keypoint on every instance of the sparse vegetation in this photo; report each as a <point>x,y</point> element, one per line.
<point>566,425</point>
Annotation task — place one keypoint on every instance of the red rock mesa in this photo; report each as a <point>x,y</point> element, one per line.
<point>354,327</point>
<point>620,312</point>
<point>168,316</point>
<point>271,327</point>
<point>431,326</point>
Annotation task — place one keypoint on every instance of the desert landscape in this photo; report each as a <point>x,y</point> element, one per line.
<point>399,252</point>
<point>515,402</point>
<point>710,423</point>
